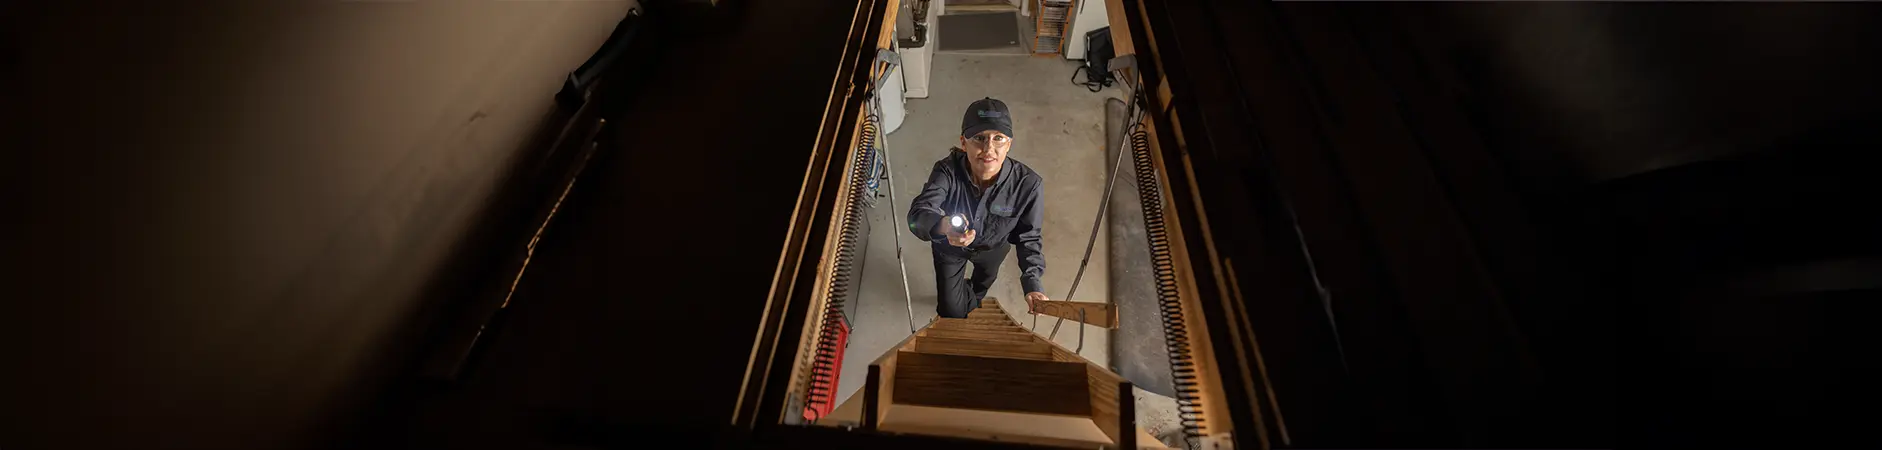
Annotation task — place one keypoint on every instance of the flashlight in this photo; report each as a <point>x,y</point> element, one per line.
<point>957,221</point>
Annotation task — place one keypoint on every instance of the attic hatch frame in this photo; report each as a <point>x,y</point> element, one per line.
<point>775,382</point>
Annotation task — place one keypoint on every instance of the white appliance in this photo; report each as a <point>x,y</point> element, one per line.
<point>894,108</point>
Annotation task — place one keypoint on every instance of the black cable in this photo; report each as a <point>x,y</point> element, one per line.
<point>1089,83</point>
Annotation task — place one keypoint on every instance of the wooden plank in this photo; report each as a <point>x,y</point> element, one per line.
<point>991,315</point>
<point>980,327</point>
<point>880,384</point>
<point>1126,415</point>
<point>982,321</point>
<point>887,39</point>
<point>885,393</point>
<point>1064,354</point>
<point>1104,403</point>
<point>1099,314</point>
<point>992,384</point>
<point>981,9</point>
<point>986,320</point>
<point>1095,313</point>
<point>1121,29</point>
<point>961,324</point>
<point>1034,429</point>
<point>881,372</point>
<point>1020,336</point>
<point>1033,350</point>
<point>978,6</point>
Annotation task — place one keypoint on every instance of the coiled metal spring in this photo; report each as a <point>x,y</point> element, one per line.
<point>1183,367</point>
<point>823,365</point>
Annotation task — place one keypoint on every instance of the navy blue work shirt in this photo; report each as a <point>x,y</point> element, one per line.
<point>1008,212</point>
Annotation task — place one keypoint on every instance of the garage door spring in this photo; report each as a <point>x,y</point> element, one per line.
<point>820,395</point>
<point>1183,369</point>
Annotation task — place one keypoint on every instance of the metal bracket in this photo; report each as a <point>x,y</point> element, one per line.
<point>891,59</point>
<point>1061,321</point>
<point>1081,334</point>
<point>1121,62</point>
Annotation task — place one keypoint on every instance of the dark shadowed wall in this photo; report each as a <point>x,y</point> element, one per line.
<point>220,216</point>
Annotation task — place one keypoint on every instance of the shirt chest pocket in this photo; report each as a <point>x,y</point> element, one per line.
<point>1000,221</point>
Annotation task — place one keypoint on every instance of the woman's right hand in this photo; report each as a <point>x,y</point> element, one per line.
<point>960,239</point>
<point>955,236</point>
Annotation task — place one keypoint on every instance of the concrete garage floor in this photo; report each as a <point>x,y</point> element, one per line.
<point>1059,133</point>
<point>1060,128</point>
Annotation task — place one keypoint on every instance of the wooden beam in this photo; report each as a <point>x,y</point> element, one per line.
<point>964,324</point>
<point>989,315</point>
<point>1099,314</point>
<point>885,390</point>
<point>1030,349</point>
<point>1121,28</point>
<point>1065,354</point>
<point>1104,402</point>
<point>1034,429</point>
<point>1126,415</point>
<point>880,384</point>
<point>1001,336</point>
<point>872,398</point>
<point>887,39</point>
<point>992,384</point>
<point>984,319</point>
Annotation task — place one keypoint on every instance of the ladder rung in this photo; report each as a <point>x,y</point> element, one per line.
<point>993,384</point>
<point>1033,350</point>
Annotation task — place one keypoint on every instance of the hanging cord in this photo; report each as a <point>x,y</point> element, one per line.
<point>907,298</point>
<point>879,148</point>
<point>1132,118</point>
<point>1104,205</point>
<point>1183,367</point>
<point>1090,83</point>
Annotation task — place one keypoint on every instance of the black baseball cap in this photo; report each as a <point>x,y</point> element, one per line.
<point>986,114</point>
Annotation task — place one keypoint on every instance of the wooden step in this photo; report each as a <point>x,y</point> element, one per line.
<point>963,324</point>
<point>992,384</point>
<point>978,6</point>
<point>981,320</point>
<point>1034,429</point>
<point>977,9</point>
<point>1034,350</point>
<point>986,319</point>
<point>989,314</point>
<point>1005,336</point>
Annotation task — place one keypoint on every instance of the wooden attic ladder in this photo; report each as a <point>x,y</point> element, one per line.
<point>986,377</point>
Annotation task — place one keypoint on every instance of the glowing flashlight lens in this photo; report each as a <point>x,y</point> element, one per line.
<point>956,220</point>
